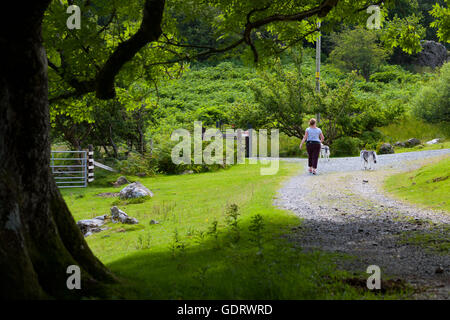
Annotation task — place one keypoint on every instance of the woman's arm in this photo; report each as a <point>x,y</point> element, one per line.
<point>304,139</point>
<point>321,137</point>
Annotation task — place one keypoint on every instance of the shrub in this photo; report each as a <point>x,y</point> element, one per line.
<point>370,139</point>
<point>289,146</point>
<point>137,163</point>
<point>387,74</point>
<point>432,103</point>
<point>346,146</point>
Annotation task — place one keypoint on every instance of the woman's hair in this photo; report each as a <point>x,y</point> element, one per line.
<point>312,122</point>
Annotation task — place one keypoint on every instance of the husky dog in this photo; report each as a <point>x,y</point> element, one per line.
<point>367,158</point>
<point>325,152</point>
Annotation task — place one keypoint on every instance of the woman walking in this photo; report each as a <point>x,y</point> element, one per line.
<point>314,138</point>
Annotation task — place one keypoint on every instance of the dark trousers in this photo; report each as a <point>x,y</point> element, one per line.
<point>313,153</point>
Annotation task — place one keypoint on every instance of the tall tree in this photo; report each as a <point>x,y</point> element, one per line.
<point>358,49</point>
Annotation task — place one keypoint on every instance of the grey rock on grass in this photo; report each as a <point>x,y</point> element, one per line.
<point>118,215</point>
<point>135,190</point>
<point>90,226</point>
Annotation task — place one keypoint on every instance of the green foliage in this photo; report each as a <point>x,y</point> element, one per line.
<point>442,22</point>
<point>136,164</point>
<point>371,139</point>
<point>256,229</point>
<point>177,246</point>
<point>410,127</point>
<point>388,73</point>
<point>346,146</point>
<point>289,146</point>
<point>432,103</point>
<point>121,202</point>
<point>357,49</point>
<point>143,241</point>
<point>232,216</point>
<point>214,233</point>
<point>345,113</point>
<point>405,33</point>
<point>283,96</point>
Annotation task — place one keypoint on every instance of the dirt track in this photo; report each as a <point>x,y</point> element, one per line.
<point>345,210</point>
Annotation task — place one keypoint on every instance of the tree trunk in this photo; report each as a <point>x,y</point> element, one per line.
<point>39,238</point>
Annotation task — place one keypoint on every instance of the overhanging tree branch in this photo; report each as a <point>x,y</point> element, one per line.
<point>150,30</point>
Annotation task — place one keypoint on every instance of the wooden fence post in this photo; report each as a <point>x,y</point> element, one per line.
<point>90,163</point>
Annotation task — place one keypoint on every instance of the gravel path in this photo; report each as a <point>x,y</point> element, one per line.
<point>345,210</point>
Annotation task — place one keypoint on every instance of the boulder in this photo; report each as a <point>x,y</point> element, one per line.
<point>412,142</point>
<point>121,181</point>
<point>433,54</point>
<point>135,190</point>
<point>434,141</point>
<point>399,144</point>
<point>141,174</point>
<point>118,215</point>
<point>89,226</point>
<point>386,148</point>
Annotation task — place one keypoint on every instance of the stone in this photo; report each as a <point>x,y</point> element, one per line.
<point>135,190</point>
<point>89,226</point>
<point>399,144</point>
<point>187,172</point>
<point>412,142</point>
<point>433,54</point>
<point>118,215</point>
<point>154,222</point>
<point>439,270</point>
<point>121,181</point>
<point>434,141</point>
<point>141,174</point>
<point>386,148</point>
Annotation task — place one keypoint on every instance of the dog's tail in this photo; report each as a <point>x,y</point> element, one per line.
<point>374,157</point>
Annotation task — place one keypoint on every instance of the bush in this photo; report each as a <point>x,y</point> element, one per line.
<point>164,163</point>
<point>137,163</point>
<point>387,74</point>
<point>414,128</point>
<point>289,146</point>
<point>370,139</point>
<point>345,146</point>
<point>432,103</point>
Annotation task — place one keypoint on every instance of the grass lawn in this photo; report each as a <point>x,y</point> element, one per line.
<point>428,186</point>
<point>196,252</point>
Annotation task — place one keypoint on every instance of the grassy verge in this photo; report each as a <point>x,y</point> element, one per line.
<point>218,237</point>
<point>437,146</point>
<point>428,186</point>
<point>414,128</point>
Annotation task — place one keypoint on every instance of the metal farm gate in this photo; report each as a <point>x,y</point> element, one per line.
<point>70,168</point>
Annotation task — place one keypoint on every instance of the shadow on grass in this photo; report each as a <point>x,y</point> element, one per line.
<point>220,269</point>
